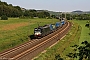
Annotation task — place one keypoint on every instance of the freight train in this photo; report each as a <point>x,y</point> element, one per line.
<point>42,31</point>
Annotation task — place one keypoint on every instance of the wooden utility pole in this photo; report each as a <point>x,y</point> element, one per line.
<point>61,16</point>
<point>65,15</point>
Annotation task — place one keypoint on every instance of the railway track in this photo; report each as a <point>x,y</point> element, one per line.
<point>31,48</point>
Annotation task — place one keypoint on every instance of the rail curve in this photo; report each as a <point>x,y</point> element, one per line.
<point>32,48</point>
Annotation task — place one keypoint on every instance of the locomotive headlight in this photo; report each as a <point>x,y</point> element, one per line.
<point>38,33</point>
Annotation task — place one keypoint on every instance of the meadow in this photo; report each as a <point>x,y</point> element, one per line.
<point>15,31</point>
<point>63,48</point>
<point>85,31</point>
<point>77,34</point>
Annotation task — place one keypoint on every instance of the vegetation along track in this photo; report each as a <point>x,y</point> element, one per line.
<point>31,48</point>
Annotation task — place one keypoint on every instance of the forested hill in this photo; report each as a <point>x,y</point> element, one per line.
<point>9,10</point>
<point>16,11</point>
<point>80,12</point>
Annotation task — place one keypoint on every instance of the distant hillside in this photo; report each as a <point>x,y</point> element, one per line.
<point>87,12</point>
<point>77,12</point>
<point>51,12</point>
<point>9,10</point>
<point>54,13</point>
<point>80,12</point>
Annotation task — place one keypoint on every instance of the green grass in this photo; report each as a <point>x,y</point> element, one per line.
<point>76,35</point>
<point>63,47</point>
<point>12,37</point>
<point>84,33</point>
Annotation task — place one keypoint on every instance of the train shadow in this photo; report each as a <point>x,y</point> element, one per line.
<point>31,37</point>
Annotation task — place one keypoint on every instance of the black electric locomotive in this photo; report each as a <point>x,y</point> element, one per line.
<point>47,29</point>
<point>42,31</point>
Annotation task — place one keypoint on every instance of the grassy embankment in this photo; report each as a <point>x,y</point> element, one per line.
<point>85,31</point>
<point>76,35</point>
<point>63,46</point>
<point>16,31</point>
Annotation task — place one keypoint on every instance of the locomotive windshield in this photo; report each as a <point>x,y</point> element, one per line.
<point>37,30</point>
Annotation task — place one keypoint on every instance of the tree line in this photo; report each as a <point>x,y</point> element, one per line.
<point>16,11</point>
<point>9,10</point>
<point>77,16</point>
<point>81,16</point>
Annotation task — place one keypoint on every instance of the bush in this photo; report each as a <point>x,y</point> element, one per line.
<point>4,17</point>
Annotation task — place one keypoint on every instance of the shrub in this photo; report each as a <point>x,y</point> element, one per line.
<point>4,17</point>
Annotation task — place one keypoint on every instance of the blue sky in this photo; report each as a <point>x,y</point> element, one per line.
<point>52,5</point>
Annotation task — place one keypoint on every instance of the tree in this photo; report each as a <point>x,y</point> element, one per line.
<point>53,16</point>
<point>10,10</point>
<point>88,25</point>
<point>58,57</point>
<point>17,7</point>
<point>27,13</point>
<point>43,14</point>
<point>4,17</point>
<point>83,51</point>
<point>1,10</point>
<point>10,5</point>
<point>32,10</point>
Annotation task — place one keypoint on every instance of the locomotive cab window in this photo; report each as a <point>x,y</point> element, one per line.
<point>37,30</point>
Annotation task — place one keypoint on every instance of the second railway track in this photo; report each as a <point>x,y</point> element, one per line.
<point>30,49</point>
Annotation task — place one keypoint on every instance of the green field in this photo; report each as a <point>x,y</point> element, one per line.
<point>16,31</point>
<point>76,35</point>
<point>85,31</point>
<point>63,47</point>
